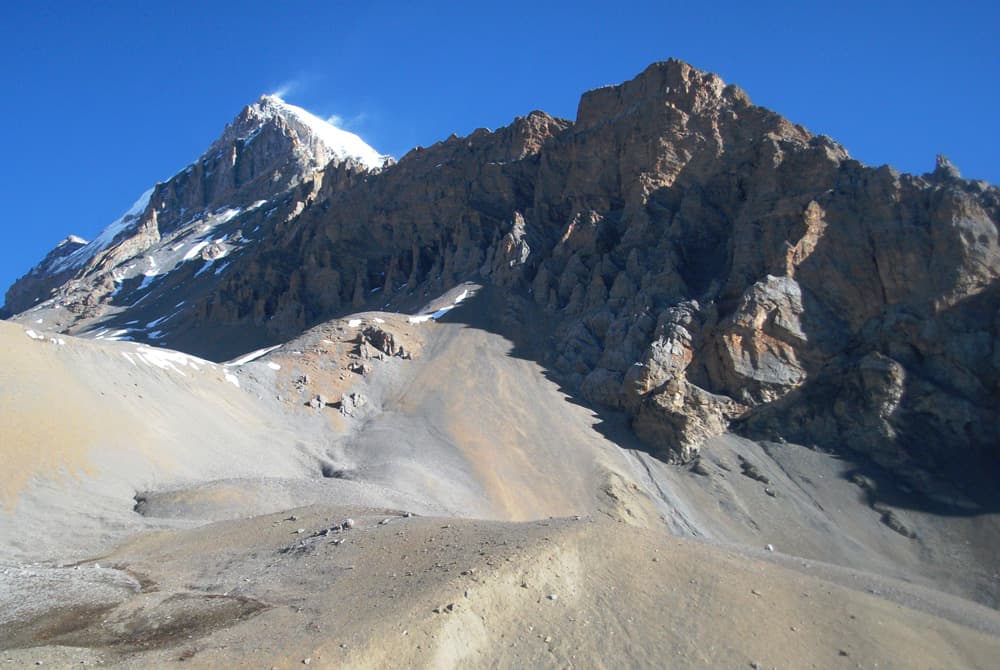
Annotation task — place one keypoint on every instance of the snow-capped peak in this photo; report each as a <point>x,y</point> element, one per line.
<point>325,137</point>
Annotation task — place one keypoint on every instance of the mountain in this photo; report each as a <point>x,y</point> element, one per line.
<point>755,380</point>
<point>703,262</point>
<point>199,214</point>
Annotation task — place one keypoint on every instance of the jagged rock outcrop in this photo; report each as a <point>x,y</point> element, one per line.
<point>374,341</point>
<point>705,264</point>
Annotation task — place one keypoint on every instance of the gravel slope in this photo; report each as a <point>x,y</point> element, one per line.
<point>191,511</point>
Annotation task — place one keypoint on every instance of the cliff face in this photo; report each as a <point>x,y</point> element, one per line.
<point>721,262</point>
<point>705,264</point>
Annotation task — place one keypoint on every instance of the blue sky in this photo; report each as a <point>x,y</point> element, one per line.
<point>103,99</point>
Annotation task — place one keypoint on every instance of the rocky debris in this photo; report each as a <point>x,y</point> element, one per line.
<point>750,470</point>
<point>299,548</point>
<point>892,519</point>
<point>318,402</point>
<point>677,420</point>
<point>375,339</point>
<point>350,403</point>
<point>698,468</point>
<point>311,542</point>
<point>357,367</point>
<point>889,516</point>
<point>213,251</point>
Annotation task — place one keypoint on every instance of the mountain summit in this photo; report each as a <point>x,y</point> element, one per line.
<point>324,140</point>
<point>270,148</point>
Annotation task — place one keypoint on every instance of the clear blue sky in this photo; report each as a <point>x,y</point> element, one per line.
<point>103,99</point>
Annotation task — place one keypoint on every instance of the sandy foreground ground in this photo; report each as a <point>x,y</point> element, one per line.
<point>433,592</point>
<point>160,510</point>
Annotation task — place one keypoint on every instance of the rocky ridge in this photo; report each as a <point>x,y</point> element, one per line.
<point>703,263</point>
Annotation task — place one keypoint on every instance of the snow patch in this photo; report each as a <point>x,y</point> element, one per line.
<point>338,142</point>
<point>441,312</point>
<point>195,250</point>
<point>253,355</point>
<point>166,359</point>
<point>33,335</point>
<point>224,215</point>
<point>231,378</point>
<point>114,335</point>
<point>156,322</point>
<point>354,323</point>
<point>273,365</point>
<point>424,318</point>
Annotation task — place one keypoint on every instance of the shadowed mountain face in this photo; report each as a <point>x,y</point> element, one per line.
<point>702,264</point>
